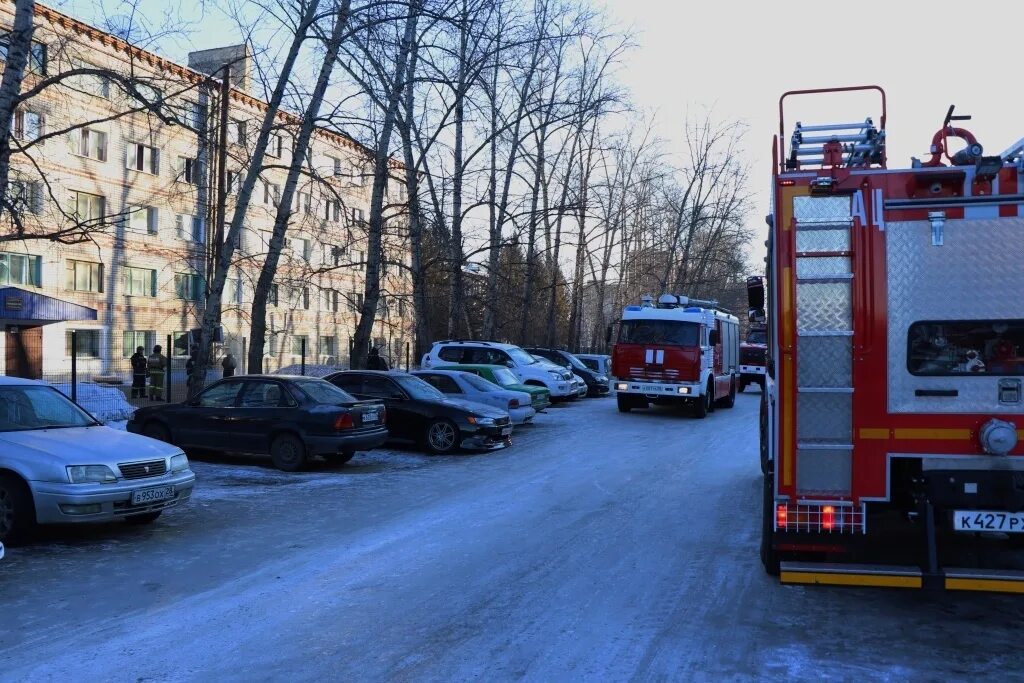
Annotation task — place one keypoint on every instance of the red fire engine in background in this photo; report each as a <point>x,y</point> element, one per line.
<point>754,348</point>
<point>893,416</point>
<point>680,351</point>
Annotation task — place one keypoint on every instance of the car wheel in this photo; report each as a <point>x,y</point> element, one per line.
<point>730,400</point>
<point>288,453</point>
<point>442,437</point>
<point>17,514</point>
<point>140,520</point>
<point>155,430</point>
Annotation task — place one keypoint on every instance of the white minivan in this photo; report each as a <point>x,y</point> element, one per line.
<point>558,381</point>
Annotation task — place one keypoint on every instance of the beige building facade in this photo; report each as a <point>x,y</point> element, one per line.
<point>129,156</point>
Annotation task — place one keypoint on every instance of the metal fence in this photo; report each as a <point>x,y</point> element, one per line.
<point>101,371</point>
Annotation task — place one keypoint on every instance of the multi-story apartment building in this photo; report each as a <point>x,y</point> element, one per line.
<point>137,164</point>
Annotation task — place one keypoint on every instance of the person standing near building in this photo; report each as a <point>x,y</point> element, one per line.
<point>157,365</point>
<point>229,365</point>
<point>190,365</point>
<point>139,368</point>
<point>374,361</point>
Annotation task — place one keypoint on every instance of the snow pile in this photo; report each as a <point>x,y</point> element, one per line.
<point>103,402</point>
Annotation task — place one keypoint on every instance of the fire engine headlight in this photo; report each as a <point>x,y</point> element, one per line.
<point>621,386</point>
<point>684,390</point>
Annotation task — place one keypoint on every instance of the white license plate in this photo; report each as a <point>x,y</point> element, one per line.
<point>652,388</point>
<point>989,520</point>
<point>146,496</point>
<point>371,416</point>
<point>505,431</point>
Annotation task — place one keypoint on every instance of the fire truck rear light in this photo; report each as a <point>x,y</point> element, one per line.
<point>788,183</point>
<point>684,390</point>
<point>828,515</point>
<point>781,516</point>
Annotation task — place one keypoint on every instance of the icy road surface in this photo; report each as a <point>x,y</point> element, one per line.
<point>599,547</point>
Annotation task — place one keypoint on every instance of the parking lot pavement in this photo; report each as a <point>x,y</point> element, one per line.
<point>599,546</point>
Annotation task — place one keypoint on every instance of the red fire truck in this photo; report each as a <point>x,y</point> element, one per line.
<point>891,424</point>
<point>680,351</point>
<point>754,348</point>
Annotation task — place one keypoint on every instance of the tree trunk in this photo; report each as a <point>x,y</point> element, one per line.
<point>215,295</point>
<point>18,46</point>
<point>381,173</point>
<point>456,294</point>
<point>258,326</point>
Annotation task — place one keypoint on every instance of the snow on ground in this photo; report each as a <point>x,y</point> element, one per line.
<point>103,402</point>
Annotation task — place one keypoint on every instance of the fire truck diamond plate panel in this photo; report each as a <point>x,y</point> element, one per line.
<point>821,209</point>
<point>823,306</point>
<point>825,361</point>
<point>823,471</point>
<point>976,274</point>
<point>824,417</point>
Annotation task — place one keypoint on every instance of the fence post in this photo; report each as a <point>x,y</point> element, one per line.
<point>74,365</point>
<point>302,366</point>
<point>170,361</point>
<point>351,348</point>
<point>245,357</point>
<point>408,350</point>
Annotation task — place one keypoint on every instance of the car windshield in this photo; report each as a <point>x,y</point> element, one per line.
<point>590,363</point>
<point>505,377</point>
<point>39,407</point>
<point>576,362</point>
<point>757,337</point>
<point>419,389</point>
<point>479,383</point>
<point>323,391</point>
<point>521,357</point>
<point>672,332</point>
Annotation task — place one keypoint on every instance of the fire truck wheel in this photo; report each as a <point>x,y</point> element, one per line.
<point>769,555</point>
<point>706,403</point>
<point>730,400</point>
<point>743,385</point>
<point>624,402</point>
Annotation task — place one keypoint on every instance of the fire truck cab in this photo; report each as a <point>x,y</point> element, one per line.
<point>680,351</point>
<point>754,347</point>
<point>892,423</point>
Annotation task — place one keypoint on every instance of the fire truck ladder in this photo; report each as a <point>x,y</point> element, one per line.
<point>843,144</point>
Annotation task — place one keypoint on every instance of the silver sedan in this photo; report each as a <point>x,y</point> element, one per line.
<point>58,465</point>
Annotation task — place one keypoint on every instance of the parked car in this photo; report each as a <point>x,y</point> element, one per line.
<point>505,378</point>
<point>579,387</point>
<point>59,464</point>
<point>597,384</point>
<point>466,385</point>
<point>597,362</point>
<point>289,418</point>
<point>557,381</point>
<point>420,413</point>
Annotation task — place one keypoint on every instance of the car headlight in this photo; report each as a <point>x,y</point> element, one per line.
<point>601,379</point>
<point>556,374</point>
<point>179,462</point>
<point>90,474</point>
<point>480,421</point>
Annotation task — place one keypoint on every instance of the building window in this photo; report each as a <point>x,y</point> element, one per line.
<point>332,210</point>
<point>143,158</point>
<point>235,180</point>
<point>358,217</point>
<point>89,142</point>
<point>361,263</point>
<point>238,290</point>
<point>328,346</point>
<point>190,227</point>
<point>133,339</point>
<point>271,344</point>
<point>86,207</point>
<point>305,298</point>
<point>91,84</point>
<point>236,132</point>
<point>401,308</point>
<point>300,344</point>
<point>25,197</point>
<point>275,145</point>
<point>196,115</point>
<point>27,125</point>
<point>355,301</point>
<point>189,286</point>
<point>86,343</point>
<point>356,173</point>
<point>303,203</point>
<point>271,194</point>
<point>302,247</point>
<point>335,165</point>
<point>142,219</point>
<point>139,282</point>
<point>337,255</point>
<point>36,54</point>
<point>179,343</point>
<point>329,300</point>
<point>272,297</point>
<point>20,269</point>
<point>83,276</point>
<point>188,170</point>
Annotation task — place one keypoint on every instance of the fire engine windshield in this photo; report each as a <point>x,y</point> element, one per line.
<point>966,347</point>
<point>757,337</point>
<point>659,332</point>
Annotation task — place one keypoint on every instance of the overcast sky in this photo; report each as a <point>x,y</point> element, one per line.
<point>738,56</point>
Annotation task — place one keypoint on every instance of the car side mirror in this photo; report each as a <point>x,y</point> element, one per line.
<point>509,364</point>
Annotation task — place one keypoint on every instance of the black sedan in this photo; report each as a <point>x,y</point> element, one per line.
<point>597,384</point>
<point>291,418</point>
<point>420,413</point>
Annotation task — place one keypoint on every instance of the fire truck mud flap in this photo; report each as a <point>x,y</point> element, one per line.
<point>883,576</point>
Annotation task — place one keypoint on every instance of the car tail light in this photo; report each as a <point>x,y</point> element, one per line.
<point>344,421</point>
<point>513,403</point>
<point>383,416</point>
